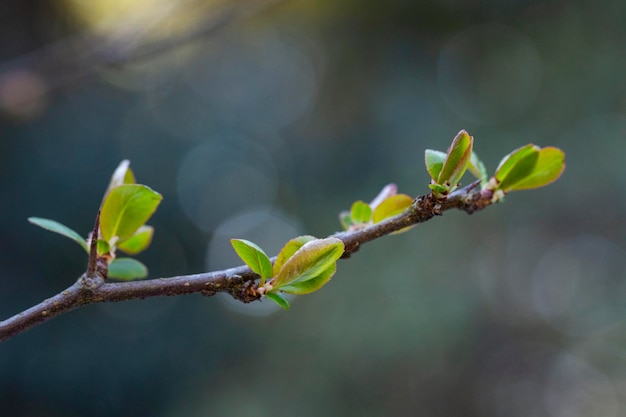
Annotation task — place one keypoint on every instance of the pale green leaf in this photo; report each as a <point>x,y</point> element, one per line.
<point>520,169</point>
<point>509,161</point>
<point>345,219</point>
<point>278,299</point>
<point>125,209</point>
<point>102,247</point>
<point>434,162</point>
<point>393,205</point>
<point>137,242</point>
<point>361,212</point>
<point>61,229</point>
<point>127,269</point>
<point>548,168</point>
<point>309,261</point>
<point>289,249</point>
<point>477,168</point>
<point>254,257</point>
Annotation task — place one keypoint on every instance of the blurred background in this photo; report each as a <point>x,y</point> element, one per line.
<point>263,120</point>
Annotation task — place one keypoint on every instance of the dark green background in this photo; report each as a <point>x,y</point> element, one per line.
<point>269,129</point>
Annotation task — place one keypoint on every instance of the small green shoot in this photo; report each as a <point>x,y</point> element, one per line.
<point>446,172</point>
<point>254,257</point>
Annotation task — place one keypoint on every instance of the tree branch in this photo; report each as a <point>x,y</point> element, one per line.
<point>239,282</point>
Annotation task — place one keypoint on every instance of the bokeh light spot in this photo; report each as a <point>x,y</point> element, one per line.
<point>223,175</point>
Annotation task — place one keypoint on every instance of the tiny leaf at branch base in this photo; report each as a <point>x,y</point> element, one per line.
<point>279,299</point>
<point>125,209</point>
<point>254,257</point>
<point>61,229</point>
<point>103,247</point>
<point>127,269</point>
<point>361,212</point>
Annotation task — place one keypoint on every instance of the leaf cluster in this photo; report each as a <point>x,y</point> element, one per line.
<point>524,168</point>
<point>125,209</point>
<point>387,203</point>
<point>302,266</point>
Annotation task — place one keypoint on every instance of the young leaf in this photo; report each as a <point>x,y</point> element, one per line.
<point>311,260</point>
<point>126,208</point>
<point>548,168</point>
<point>393,205</point>
<point>312,284</point>
<point>289,249</point>
<point>102,247</point>
<point>518,170</point>
<point>477,168</point>
<point>59,228</point>
<point>508,162</point>
<point>137,242</point>
<point>434,162</point>
<point>254,257</point>
<point>361,212</point>
<point>438,189</point>
<point>127,269</point>
<point>278,299</point>
<point>345,219</point>
<point>456,162</point>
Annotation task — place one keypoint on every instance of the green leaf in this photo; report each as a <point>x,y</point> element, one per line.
<point>311,260</point>
<point>361,212</point>
<point>518,169</point>
<point>278,299</point>
<point>434,162</point>
<point>438,189</point>
<point>312,284</point>
<point>548,168</point>
<point>102,247</point>
<point>509,161</point>
<point>59,228</point>
<point>127,269</point>
<point>254,257</point>
<point>393,205</point>
<point>137,242</point>
<point>345,219</point>
<point>456,162</point>
<point>289,249</point>
<point>477,168</point>
<point>125,209</point>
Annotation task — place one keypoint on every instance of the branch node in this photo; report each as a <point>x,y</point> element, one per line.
<point>244,291</point>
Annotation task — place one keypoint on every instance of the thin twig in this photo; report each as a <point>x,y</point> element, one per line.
<point>239,281</point>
